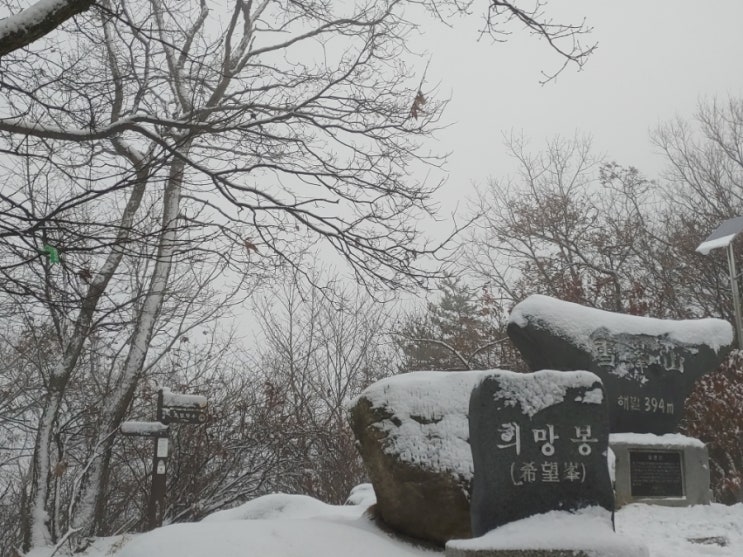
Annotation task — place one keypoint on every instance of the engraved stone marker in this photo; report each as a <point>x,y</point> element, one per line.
<point>539,443</point>
<point>648,366</point>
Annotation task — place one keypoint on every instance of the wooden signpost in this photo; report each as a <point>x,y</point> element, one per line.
<point>171,408</point>
<point>179,408</point>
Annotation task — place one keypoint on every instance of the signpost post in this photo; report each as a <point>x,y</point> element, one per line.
<point>156,504</point>
<point>171,408</point>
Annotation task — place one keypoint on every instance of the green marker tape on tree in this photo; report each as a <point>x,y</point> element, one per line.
<point>52,252</point>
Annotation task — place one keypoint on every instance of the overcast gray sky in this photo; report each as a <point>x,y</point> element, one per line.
<point>655,60</point>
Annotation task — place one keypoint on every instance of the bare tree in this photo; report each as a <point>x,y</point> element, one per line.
<point>566,226</point>
<point>318,355</point>
<point>91,300</point>
<point>703,186</point>
<point>197,120</point>
<point>22,28</point>
<point>22,355</point>
<point>571,226</point>
<point>705,156</point>
<point>714,414</point>
<point>178,140</point>
<point>566,39</point>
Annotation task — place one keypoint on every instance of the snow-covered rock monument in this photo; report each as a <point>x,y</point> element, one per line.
<point>539,443</point>
<point>541,439</point>
<point>648,366</point>
<point>539,447</point>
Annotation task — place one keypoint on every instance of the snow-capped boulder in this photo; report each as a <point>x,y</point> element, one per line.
<point>648,366</point>
<point>412,432</point>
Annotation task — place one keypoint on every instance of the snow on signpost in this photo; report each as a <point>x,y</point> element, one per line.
<point>144,429</point>
<point>181,408</point>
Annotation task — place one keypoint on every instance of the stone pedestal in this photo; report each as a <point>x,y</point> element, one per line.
<point>671,470</point>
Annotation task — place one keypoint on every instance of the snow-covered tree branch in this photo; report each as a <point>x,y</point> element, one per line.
<point>32,23</point>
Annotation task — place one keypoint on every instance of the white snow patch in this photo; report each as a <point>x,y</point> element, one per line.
<point>281,505</point>
<point>30,16</point>
<point>183,400</point>
<point>705,247</point>
<point>533,392</point>
<point>362,494</point>
<point>587,529</point>
<point>668,531</point>
<point>667,440</point>
<point>576,322</point>
<point>594,396</point>
<point>142,428</point>
<point>432,407</point>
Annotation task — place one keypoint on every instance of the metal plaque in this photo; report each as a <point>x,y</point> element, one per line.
<point>656,473</point>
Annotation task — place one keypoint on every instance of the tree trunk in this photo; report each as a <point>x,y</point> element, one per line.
<point>36,518</point>
<point>89,511</point>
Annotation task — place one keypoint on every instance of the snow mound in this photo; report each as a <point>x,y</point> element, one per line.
<point>276,505</point>
<point>576,322</point>
<point>699,531</point>
<point>587,529</point>
<point>277,525</point>
<point>270,538</point>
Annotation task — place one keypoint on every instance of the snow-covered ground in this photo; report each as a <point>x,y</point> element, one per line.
<point>298,526</point>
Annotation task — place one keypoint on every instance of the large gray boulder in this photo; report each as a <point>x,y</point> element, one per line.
<point>648,366</point>
<point>412,432</point>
